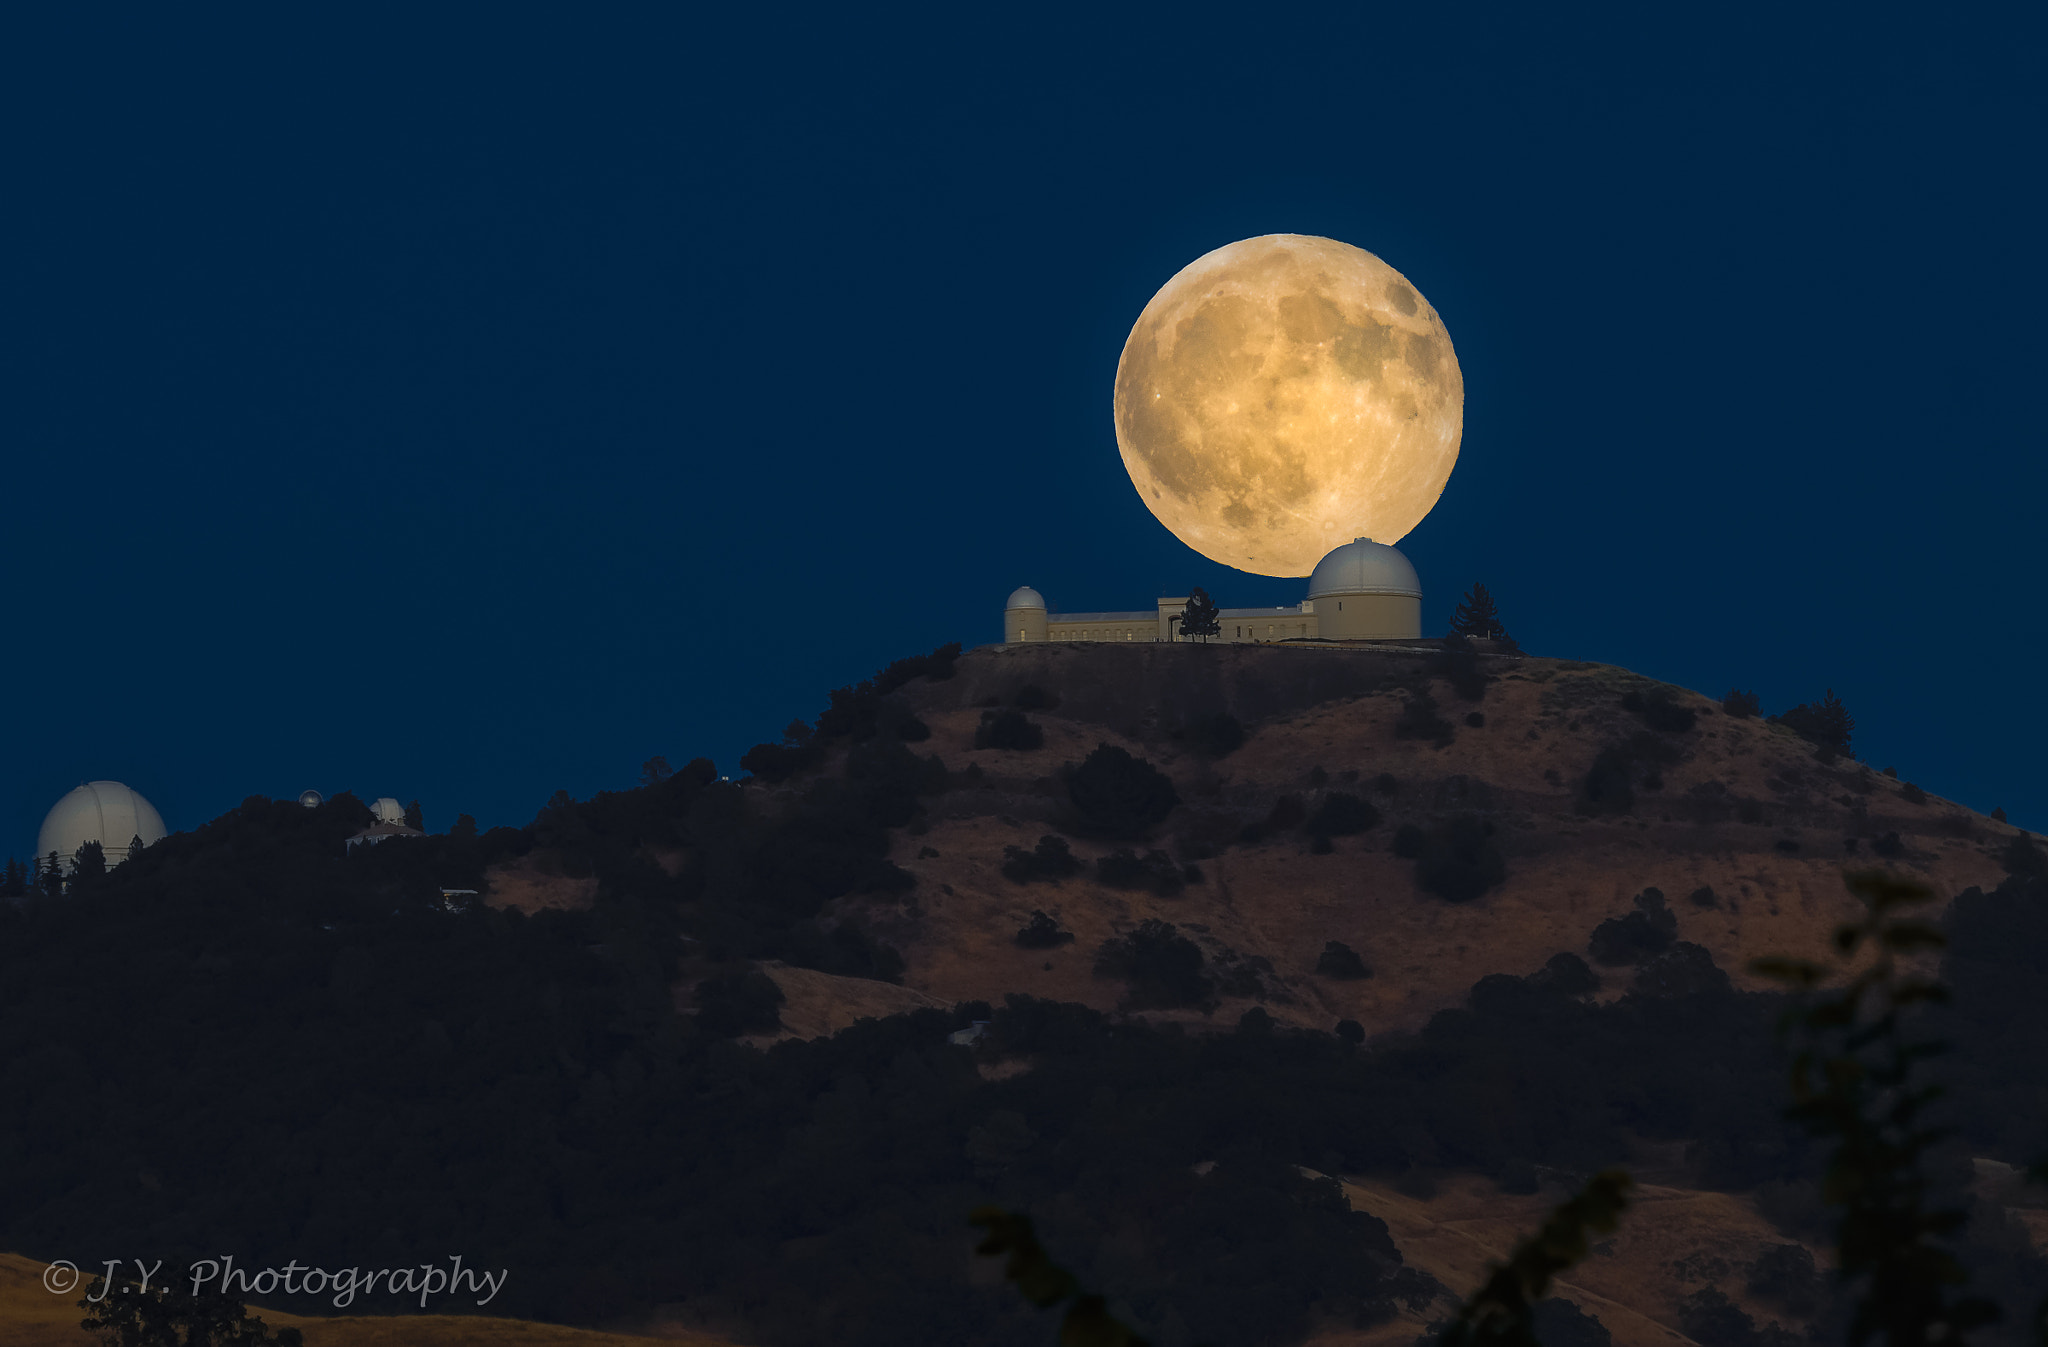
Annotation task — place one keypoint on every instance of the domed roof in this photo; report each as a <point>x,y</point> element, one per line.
<point>1026,597</point>
<point>1363,566</point>
<point>106,812</point>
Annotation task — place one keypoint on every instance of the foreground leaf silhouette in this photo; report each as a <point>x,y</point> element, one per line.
<point>1502,1312</point>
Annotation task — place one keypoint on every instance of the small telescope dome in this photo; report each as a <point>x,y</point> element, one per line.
<point>312,799</point>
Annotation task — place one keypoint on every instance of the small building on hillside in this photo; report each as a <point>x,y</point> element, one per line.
<point>1362,591</point>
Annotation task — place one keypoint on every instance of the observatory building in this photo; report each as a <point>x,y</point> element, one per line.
<point>1362,591</point>
<point>106,812</point>
<point>390,823</point>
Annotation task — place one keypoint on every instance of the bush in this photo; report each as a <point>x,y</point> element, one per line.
<point>912,730</point>
<point>1155,870</point>
<point>1637,938</point>
<point>1339,960</point>
<point>1825,723</point>
<point>1119,795</point>
<point>1457,663</point>
<point>1566,975</point>
<point>1459,860</point>
<point>1912,794</point>
<point>1610,783</point>
<point>1342,815</point>
<point>1419,720</point>
<point>1408,842</point>
<point>1657,710</point>
<point>1163,966</point>
<point>1703,896</point>
<point>1559,1323</point>
<point>2022,859</point>
<point>731,1004</point>
<point>1050,859</point>
<point>1032,697</point>
<point>1889,846</point>
<point>1042,932</point>
<point>1741,705</point>
<point>1785,1275</point>
<point>1216,736</point>
<point>1011,730</point>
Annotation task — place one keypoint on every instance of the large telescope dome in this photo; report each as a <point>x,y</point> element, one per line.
<point>106,812</point>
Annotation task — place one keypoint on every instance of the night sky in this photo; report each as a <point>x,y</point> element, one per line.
<point>469,410</point>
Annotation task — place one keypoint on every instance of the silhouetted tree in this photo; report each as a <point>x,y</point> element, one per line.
<point>655,770</point>
<point>1051,859</point>
<point>1163,966</point>
<point>414,818</point>
<point>1825,723</point>
<point>1476,615</point>
<point>1215,736</point>
<point>464,826</point>
<point>136,847</point>
<point>747,1002</point>
<point>171,1314</point>
<point>50,875</point>
<point>88,863</point>
<point>1741,705</point>
<point>14,882</point>
<point>1201,618</point>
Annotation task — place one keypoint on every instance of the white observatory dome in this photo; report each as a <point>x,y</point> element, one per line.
<point>1025,597</point>
<point>1363,566</point>
<point>106,812</point>
<point>388,810</point>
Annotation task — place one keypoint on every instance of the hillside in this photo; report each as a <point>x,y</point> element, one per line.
<point>1744,808</point>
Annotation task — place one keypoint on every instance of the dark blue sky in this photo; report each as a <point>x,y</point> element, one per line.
<point>444,408</point>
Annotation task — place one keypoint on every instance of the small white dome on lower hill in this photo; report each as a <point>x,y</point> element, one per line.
<point>106,812</point>
<point>1363,566</point>
<point>1025,597</point>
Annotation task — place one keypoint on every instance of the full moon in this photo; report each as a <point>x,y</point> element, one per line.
<point>1286,394</point>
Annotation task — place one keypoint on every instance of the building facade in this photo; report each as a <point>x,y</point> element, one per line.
<point>1362,591</point>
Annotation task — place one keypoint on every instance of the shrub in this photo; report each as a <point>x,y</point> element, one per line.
<point>1163,967</point>
<point>1889,846</point>
<point>1459,860</point>
<point>1287,812</point>
<point>1785,1274</point>
<point>1825,723</point>
<point>912,730</point>
<point>1457,663</point>
<point>745,1002</point>
<point>1216,736</point>
<point>1637,938</point>
<point>1342,815</point>
<point>1610,783</point>
<point>1912,794</point>
<point>1408,842</point>
<point>1703,896</point>
<point>1050,859</point>
<point>1711,1319</point>
<point>1009,730</point>
<point>1042,932</point>
<point>1567,975</point>
<point>2021,858</point>
<point>778,762</point>
<point>1350,1032</point>
<point>1317,777</point>
<point>1120,795</point>
<point>1741,705</point>
<point>1476,721</point>
<point>1032,697</point>
<point>1419,719</point>
<point>1657,710</point>
<point>1339,960</point>
<point>1155,870</point>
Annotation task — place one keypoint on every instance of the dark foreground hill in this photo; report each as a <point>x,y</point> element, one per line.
<point>250,1041</point>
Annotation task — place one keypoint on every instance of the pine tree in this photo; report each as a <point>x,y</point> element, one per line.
<point>1476,616</point>
<point>414,818</point>
<point>1201,617</point>
<point>15,882</point>
<point>135,847</point>
<point>88,863</point>
<point>50,875</point>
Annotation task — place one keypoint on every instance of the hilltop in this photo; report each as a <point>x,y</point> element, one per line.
<point>1738,806</point>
